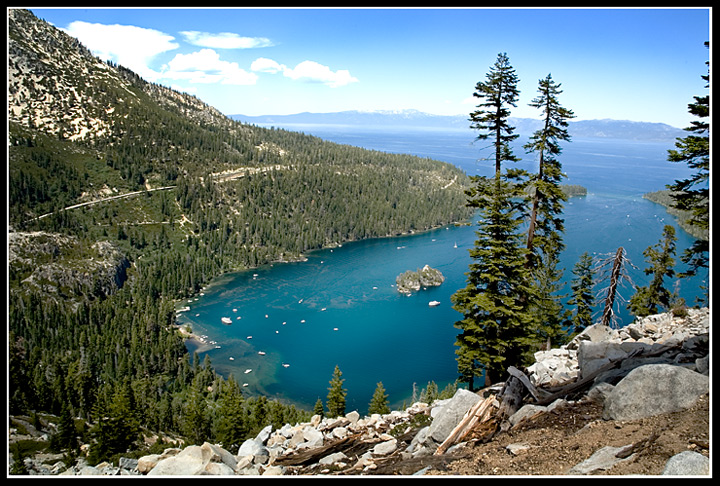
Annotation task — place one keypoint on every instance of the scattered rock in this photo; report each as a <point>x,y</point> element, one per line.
<point>654,389</point>
<point>687,463</point>
<point>603,459</point>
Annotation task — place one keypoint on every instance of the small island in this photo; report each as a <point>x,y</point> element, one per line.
<point>410,281</point>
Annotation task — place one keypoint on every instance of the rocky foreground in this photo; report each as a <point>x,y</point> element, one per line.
<point>657,365</point>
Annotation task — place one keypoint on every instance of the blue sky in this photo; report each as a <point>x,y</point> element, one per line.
<point>629,64</point>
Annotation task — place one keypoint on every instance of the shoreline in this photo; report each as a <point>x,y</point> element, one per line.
<point>199,341</point>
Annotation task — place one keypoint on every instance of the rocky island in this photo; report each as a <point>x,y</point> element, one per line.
<point>410,281</point>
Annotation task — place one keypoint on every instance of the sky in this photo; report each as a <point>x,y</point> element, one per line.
<point>626,64</point>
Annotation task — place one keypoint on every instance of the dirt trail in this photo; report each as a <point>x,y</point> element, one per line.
<point>554,442</point>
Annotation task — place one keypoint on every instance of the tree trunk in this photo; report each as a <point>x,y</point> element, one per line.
<point>614,277</point>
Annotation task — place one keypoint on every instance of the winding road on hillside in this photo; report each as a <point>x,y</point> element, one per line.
<point>96,201</point>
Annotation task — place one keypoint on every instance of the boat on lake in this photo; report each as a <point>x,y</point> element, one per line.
<point>226,320</point>
<point>434,303</point>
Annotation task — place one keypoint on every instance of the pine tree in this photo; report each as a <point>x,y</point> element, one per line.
<point>196,424</point>
<point>497,94</point>
<point>336,395</point>
<point>497,327</point>
<point>654,297</point>
<point>66,437</point>
<point>379,401</point>
<point>546,222</point>
<point>582,296</point>
<point>231,427</point>
<point>318,408</point>
<point>693,194</point>
<point>116,426</point>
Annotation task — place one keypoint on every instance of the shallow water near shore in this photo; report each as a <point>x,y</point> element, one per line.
<point>340,306</point>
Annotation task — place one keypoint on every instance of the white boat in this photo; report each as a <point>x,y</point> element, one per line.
<point>232,359</point>
<point>434,303</point>
<point>226,320</point>
<point>261,353</point>
<point>285,365</point>
<point>248,371</point>
<point>245,384</point>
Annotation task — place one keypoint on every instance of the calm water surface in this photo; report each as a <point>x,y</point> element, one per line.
<point>292,323</point>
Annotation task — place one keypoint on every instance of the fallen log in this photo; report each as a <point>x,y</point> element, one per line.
<point>352,443</point>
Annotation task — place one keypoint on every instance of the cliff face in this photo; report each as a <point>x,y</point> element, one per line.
<point>63,266</point>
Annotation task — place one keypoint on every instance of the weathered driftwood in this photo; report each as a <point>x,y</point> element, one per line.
<point>479,413</point>
<point>511,397</point>
<point>348,445</point>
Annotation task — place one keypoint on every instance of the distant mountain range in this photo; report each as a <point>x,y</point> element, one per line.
<point>606,128</point>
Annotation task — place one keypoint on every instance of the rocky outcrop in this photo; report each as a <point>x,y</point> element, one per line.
<point>661,338</point>
<point>409,282</point>
<point>64,266</point>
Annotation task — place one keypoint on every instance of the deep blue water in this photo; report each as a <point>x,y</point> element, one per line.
<point>340,307</point>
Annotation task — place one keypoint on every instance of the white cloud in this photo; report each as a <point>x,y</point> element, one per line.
<point>315,72</point>
<point>127,45</point>
<point>205,66</point>
<point>310,71</point>
<point>265,65</point>
<point>224,40</point>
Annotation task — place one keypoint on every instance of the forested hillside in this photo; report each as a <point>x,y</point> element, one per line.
<point>175,194</point>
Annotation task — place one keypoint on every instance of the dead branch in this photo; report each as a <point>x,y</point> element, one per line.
<point>479,413</point>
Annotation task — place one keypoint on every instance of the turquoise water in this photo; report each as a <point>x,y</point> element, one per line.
<point>340,306</point>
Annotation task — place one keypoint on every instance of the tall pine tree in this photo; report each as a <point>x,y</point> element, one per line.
<point>546,224</point>
<point>496,326</point>
<point>497,94</point>
<point>693,194</point>
<point>546,221</point>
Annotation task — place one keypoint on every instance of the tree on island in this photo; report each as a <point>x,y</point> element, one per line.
<point>693,194</point>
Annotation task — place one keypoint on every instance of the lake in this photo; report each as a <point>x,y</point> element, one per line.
<point>292,323</point>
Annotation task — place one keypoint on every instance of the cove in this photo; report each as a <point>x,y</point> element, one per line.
<point>339,307</point>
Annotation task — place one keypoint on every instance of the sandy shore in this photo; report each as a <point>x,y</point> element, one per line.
<point>199,341</point>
